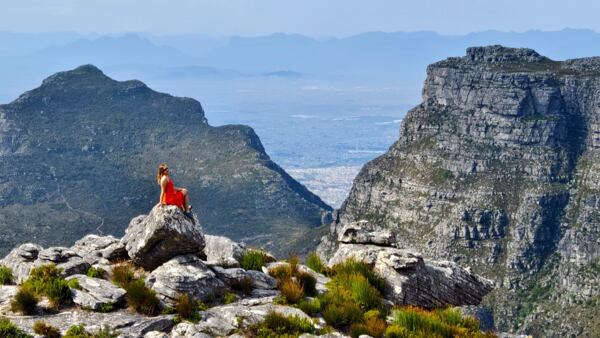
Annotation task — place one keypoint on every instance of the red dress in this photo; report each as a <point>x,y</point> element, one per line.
<point>172,196</point>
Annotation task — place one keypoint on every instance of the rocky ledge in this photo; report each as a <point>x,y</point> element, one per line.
<point>173,257</point>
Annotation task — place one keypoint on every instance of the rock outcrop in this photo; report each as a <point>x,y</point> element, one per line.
<point>497,169</point>
<point>96,294</point>
<point>223,251</point>
<point>163,234</point>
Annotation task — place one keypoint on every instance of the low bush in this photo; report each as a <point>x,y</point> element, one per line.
<point>77,331</point>
<point>361,291</point>
<point>10,330</point>
<point>353,266</point>
<point>107,307</point>
<point>229,297</point>
<point>342,314</point>
<point>106,332</point>
<point>314,262</point>
<point>58,292</point>
<point>122,275</point>
<point>46,281</point>
<point>294,262</point>
<point>277,325</point>
<point>254,259</point>
<point>291,290</point>
<point>45,330</point>
<point>308,282</point>
<point>186,309</point>
<point>141,298</point>
<point>441,323</point>
<point>396,331</point>
<point>6,275</point>
<point>310,307</point>
<point>281,272</point>
<point>25,301</point>
<point>96,272</point>
<point>73,283</point>
<point>454,317</point>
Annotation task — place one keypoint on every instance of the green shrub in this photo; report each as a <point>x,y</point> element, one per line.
<point>314,262</point>
<point>342,314</point>
<point>415,320</point>
<point>6,275</point>
<point>396,331</point>
<point>244,285</point>
<point>361,291</point>
<point>58,292</point>
<point>96,272</point>
<point>25,301</point>
<point>77,331</point>
<point>454,317</point>
<point>106,332</point>
<point>308,282</point>
<point>294,262</point>
<point>254,259</point>
<point>229,298</point>
<point>107,307</point>
<point>352,266</point>
<point>310,307</point>
<point>141,298</point>
<point>281,272</point>
<point>291,290</point>
<point>277,325</point>
<point>122,275</point>
<point>186,309</point>
<point>73,283</point>
<point>43,329</point>
<point>10,330</point>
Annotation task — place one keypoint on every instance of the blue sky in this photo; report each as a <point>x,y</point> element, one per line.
<point>309,17</point>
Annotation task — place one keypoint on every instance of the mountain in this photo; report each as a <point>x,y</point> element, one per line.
<point>497,169</point>
<point>79,153</point>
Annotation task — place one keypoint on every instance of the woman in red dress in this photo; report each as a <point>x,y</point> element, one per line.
<point>169,194</point>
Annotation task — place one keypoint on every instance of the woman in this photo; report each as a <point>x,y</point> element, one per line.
<point>170,195</point>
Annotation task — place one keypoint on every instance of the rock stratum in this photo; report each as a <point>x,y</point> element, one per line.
<point>206,273</point>
<point>79,153</point>
<point>497,169</point>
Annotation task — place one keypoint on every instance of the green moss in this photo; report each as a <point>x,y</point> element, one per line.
<point>73,283</point>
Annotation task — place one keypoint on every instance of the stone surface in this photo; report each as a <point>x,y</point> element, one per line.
<point>92,248</point>
<point>223,251</point>
<point>365,233</point>
<point>185,274</point>
<point>7,293</point>
<point>96,293</point>
<point>129,325</point>
<point>497,168</point>
<point>165,233</point>
<point>21,259</point>
<point>413,280</point>
<point>64,258</point>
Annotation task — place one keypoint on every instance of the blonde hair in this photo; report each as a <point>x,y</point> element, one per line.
<point>162,169</point>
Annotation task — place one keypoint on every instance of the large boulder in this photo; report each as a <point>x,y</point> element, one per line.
<point>364,232</point>
<point>223,251</point>
<point>96,293</point>
<point>64,258</point>
<point>21,259</point>
<point>185,274</point>
<point>416,281</point>
<point>93,248</point>
<point>163,234</point>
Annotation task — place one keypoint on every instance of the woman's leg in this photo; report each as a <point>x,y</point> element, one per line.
<point>186,200</point>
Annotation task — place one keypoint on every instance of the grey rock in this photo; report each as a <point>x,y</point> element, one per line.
<point>187,330</point>
<point>413,280</point>
<point>92,248</point>
<point>185,274</point>
<point>7,292</point>
<point>96,292</point>
<point>165,233</point>
<point>156,334</point>
<point>129,325</point>
<point>64,258</point>
<point>223,251</point>
<point>21,259</point>
<point>260,280</point>
<point>365,233</point>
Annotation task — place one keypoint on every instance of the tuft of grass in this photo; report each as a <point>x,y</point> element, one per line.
<point>25,301</point>
<point>107,307</point>
<point>291,290</point>
<point>441,323</point>
<point>186,309</point>
<point>294,262</point>
<point>141,298</point>
<point>352,266</point>
<point>45,330</point>
<point>278,325</point>
<point>46,280</point>
<point>254,259</point>
<point>10,330</point>
<point>6,275</point>
<point>396,331</point>
<point>311,307</point>
<point>314,262</point>
<point>96,272</point>
<point>58,292</point>
<point>342,314</point>
<point>122,275</point>
<point>308,282</point>
<point>229,298</point>
<point>106,332</point>
<point>281,272</point>
<point>73,283</point>
<point>77,331</point>
<point>361,291</point>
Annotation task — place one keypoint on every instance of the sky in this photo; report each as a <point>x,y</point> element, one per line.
<point>317,18</point>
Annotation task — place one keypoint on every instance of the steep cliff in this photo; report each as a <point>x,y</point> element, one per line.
<point>79,153</point>
<point>498,168</point>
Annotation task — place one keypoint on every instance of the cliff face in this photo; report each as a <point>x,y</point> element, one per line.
<point>79,155</point>
<point>498,168</point>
